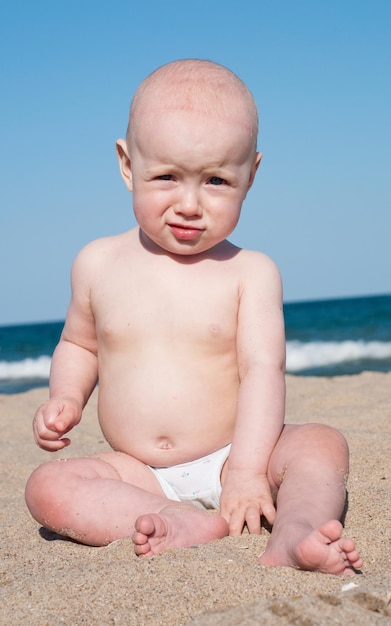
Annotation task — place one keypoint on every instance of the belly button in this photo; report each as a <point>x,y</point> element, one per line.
<point>164,444</point>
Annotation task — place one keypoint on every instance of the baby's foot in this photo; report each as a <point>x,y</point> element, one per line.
<point>322,550</point>
<point>176,526</point>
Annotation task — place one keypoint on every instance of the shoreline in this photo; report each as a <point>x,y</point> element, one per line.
<point>48,580</point>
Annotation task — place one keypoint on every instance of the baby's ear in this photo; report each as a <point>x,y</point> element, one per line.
<point>124,163</point>
<point>254,168</point>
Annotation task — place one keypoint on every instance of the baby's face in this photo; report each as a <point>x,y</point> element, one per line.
<point>190,173</point>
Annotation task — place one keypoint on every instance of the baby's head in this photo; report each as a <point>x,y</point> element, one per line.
<point>200,86</point>
<point>190,154</point>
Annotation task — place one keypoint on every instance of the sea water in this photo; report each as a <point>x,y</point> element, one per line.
<point>324,338</point>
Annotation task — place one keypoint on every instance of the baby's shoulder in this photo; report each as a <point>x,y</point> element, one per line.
<point>104,246</point>
<point>258,273</point>
<point>254,260</point>
<point>100,252</point>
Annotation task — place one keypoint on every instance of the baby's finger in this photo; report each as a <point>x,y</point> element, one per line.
<point>225,509</point>
<point>59,418</point>
<point>43,420</point>
<point>43,427</point>
<point>53,446</point>
<point>53,419</point>
<point>45,437</point>
<point>253,520</point>
<point>269,512</point>
<point>236,522</point>
<point>42,434</point>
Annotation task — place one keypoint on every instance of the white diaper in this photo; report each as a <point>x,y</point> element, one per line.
<point>197,481</point>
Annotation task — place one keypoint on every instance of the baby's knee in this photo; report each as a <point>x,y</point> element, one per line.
<point>321,432</point>
<point>322,437</point>
<point>332,435</point>
<point>41,489</point>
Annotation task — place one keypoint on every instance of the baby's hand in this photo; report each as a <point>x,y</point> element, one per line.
<point>53,419</point>
<point>244,498</point>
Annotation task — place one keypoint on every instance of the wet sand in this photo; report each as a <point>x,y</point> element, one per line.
<point>46,580</point>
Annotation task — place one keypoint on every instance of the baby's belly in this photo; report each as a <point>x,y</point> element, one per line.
<point>168,419</point>
<point>169,450</point>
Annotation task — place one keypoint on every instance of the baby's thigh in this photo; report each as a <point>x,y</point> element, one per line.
<point>128,469</point>
<point>66,474</point>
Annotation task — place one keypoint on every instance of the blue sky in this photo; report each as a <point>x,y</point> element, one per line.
<point>320,72</point>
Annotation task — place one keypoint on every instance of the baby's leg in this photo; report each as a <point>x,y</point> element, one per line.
<point>97,500</point>
<point>309,468</point>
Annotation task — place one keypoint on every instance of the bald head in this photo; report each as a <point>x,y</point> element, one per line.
<point>203,87</point>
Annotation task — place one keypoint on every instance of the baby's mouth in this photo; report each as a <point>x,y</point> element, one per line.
<point>185,231</point>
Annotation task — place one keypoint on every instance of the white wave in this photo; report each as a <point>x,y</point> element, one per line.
<point>28,368</point>
<point>301,356</point>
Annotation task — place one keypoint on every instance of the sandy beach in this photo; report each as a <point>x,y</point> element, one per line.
<point>46,580</point>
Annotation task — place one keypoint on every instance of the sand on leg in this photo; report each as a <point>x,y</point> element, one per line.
<point>308,470</point>
<point>97,500</point>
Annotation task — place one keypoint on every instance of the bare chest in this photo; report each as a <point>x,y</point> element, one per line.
<point>153,304</point>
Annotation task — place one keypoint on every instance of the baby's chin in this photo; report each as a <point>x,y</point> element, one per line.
<point>178,247</point>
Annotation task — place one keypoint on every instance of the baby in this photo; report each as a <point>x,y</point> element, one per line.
<point>185,333</point>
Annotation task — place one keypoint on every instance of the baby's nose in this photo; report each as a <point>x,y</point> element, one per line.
<point>188,202</point>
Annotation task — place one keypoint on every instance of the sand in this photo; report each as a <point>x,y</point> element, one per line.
<point>46,580</point>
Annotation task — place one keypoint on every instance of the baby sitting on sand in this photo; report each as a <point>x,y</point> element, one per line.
<point>185,333</point>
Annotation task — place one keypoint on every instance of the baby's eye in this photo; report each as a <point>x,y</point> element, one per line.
<point>165,177</point>
<point>216,180</point>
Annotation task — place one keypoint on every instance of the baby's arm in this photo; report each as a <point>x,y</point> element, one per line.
<point>74,368</point>
<point>261,403</point>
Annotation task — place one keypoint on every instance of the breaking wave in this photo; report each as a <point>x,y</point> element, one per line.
<point>316,354</point>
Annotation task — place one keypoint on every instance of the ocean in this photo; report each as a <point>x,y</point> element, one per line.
<point>336,337</point>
